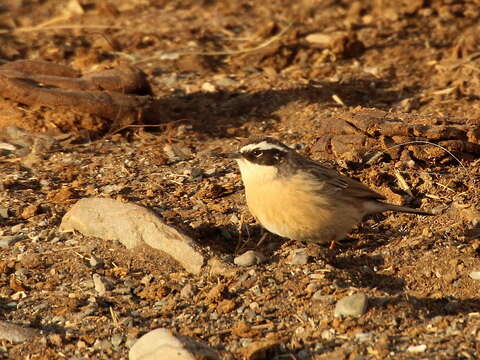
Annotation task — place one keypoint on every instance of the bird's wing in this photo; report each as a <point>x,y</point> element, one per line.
<point>334,181</point>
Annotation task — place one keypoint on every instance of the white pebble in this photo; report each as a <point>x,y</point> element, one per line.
<point>99,284</point>
<point>298,257</point>
<point>417,348</point>
<point>249,258</point>
<point>475,275</point>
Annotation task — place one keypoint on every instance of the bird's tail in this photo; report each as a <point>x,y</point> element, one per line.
<point>405,209</point>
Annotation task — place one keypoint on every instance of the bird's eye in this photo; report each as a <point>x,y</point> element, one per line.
<point>256,153</point>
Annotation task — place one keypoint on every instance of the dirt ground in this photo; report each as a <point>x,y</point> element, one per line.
<point>221,71</point>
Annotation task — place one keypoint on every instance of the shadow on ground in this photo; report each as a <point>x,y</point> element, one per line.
<point>221,113</point>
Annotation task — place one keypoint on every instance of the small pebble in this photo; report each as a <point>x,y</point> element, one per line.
<point>226,82</point>
<point>254,306</point>
<point>193,172</point>
<point>475,275</point>
<point>363,336</point>
<point>116,340</point>
<point>304,355</point>
<point>249,258</point>
<point>313,287</point>
<point>176,152</point>
<point>102,345</point>
<point>210,172</point>
<point>16,333</point>
<point>318,296</point>
<point>353,305</point>
<point>417,348</point>
<point>298,257</point>
<point>208,87</point>
<point>94,262</point>
<point>6,241</point>
<point>16,228</point>
<point>3,212</point>
<point>328,334</point>
<point>188,291</point>
<point>256,290</point>
<point>99,284</point>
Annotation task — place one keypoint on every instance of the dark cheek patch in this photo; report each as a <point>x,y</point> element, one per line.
<point>266,157</point>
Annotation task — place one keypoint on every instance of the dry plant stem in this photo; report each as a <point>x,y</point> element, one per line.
<point>226,52</point>
<point>240,227</point>
<point>428,143</point>
<point>403,183</point>
<point>262,239</point>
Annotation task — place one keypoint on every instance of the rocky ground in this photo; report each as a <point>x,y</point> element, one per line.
<point>342,81</point>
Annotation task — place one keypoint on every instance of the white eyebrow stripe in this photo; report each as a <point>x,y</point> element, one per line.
<point>264,145</point>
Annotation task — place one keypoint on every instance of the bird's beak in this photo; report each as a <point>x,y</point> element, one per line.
<point>233,155</point>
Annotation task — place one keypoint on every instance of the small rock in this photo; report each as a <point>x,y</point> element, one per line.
<point>6,146</point>
<point>220,267</point>
<point>210,172</point>
<point>16,228</point>
<point>318,296</point>
<point>417,348</point>
<point>260,350</point>
<point>29,140</point>
<point>304,354</point>
<point>353,305</point>
<point>30,260</point>
<point>313,287</point>
<point>55,339</point>
<point>15,333</point>
<point>188,291</point>
<point>95,262</point>
<point>451,276</point>
<point>6,241</point>
<point>177,153</point>
<point>363,336</point>
<point>328,334</point>
<point>475,275</point>
<point>132,225</point>
<point>235,220</point>
<point>256,290</point>
<point>162,344</point>
<point>3,212</point>
<point>226,306</point>
<point>254,306</point>
<point>249,258</point>
<point>320,39</point>
<point>298,257</point>
<point>102,345</point>
<point>225,81</point>
<point>61,195</point>
<point>208,87</point>
<point>30,211</point>
<point>99,284</point>
<point>116,340</point>
<point>194,172</point>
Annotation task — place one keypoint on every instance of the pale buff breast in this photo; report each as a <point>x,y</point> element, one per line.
<point>292,208</point>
